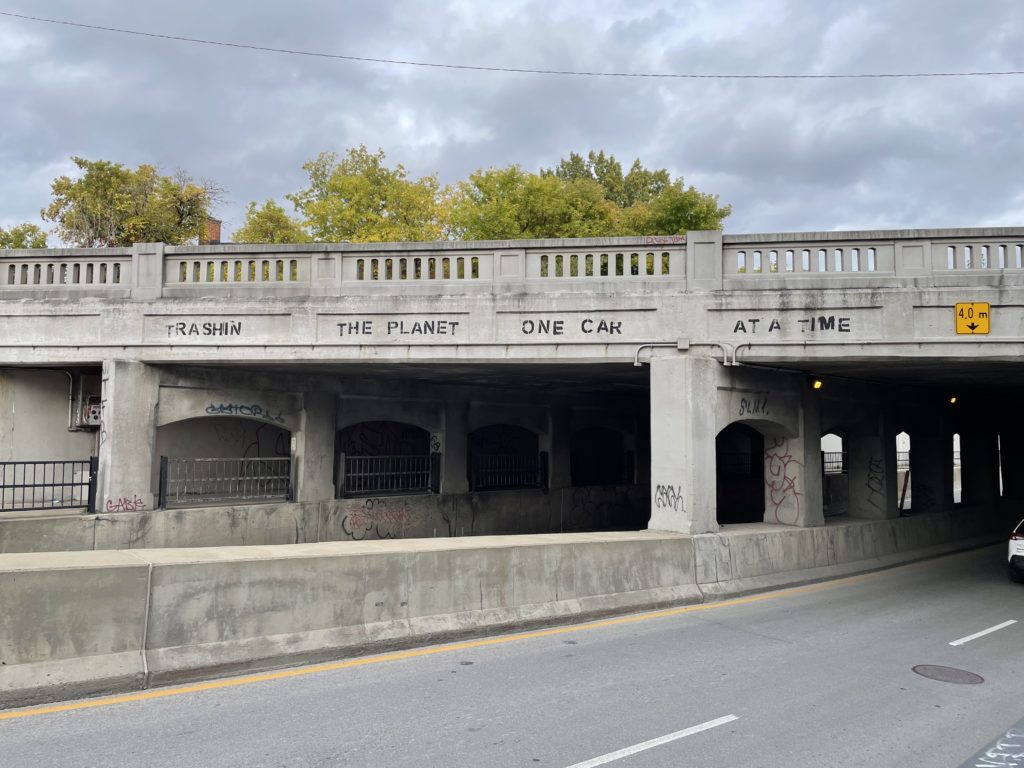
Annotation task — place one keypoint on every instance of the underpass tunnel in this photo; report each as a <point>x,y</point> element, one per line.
<point>408,451</point>
<point>599,456</point>
<point>956,470</point>
<point>382,457</point>
<point>903,495</point>
<point>739,475</point>
<point>505,457</point>
<point>835,485</point>
<point>215,459</point>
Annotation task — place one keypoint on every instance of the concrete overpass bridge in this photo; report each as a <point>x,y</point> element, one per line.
<point>525,386</point>
<point>620,405</point>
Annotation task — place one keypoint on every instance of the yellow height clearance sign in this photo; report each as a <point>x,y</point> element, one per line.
<point>972,318</point>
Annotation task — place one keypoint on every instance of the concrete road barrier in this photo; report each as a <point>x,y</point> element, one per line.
<point>81,623</point>
<point>78,623</point>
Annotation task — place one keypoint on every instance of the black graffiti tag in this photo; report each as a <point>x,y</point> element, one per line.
<point>669,497</point>
<point>241,409</point>
<point>875,484</point>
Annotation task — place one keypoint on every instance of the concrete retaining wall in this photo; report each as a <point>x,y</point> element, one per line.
<point>751,558</point>
<point>388,517</point>
<point>80,623</point>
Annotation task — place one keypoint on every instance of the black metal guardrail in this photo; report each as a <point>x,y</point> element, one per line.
<point>188,482</point>
<point>59,484</point>
<point>494,472</point>
<point>366,475</point>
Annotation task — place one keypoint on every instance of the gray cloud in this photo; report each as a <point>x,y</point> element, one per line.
<point>788,154</point>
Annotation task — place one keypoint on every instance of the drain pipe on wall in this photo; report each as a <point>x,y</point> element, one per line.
<point>728,353</point>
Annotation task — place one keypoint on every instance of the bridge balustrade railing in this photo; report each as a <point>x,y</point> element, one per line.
<point>605,263</point>
<point>225,270</point>
<point>936,254</point>
<point>711,262</point>
<point>99,270</point>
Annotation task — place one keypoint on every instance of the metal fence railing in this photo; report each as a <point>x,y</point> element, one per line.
<point>186,482</point>
<point>833,462</point>
<point>362,475</point>
<point>736,464</point>
<point>492,472</point>
<point>28,485</point>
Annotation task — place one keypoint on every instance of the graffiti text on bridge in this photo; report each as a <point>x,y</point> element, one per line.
<point>241,409</point>
<point>813,324</point>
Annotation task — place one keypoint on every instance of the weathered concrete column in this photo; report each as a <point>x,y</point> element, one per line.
<point>979,467</point>
<point>127,437</point>
<point>931,465</point>
<point>683,401</point>
<point>314,448</point>
<point>560,458</point>
<point>792,471</point>
<point>456,448</point>
<point>871,457</point>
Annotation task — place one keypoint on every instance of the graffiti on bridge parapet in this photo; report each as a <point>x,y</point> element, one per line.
<point>242,409</point>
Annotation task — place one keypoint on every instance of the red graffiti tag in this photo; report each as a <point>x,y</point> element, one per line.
<point>125,504</point>
<point>780,480</point>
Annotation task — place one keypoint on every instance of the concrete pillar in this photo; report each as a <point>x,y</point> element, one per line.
<point>560,457</point>
<point>704,260</point>
<point>127,437</point>
<point>454,468</point>
<point>931,465</point>
<point>683,401</point>
<point>792,471</point>
<point>871,467</point>
<point>147,270</point>
<point>1011,449</point>
<point>979,467</point>
<point>314,448</point>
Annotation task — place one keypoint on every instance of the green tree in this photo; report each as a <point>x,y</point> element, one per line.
<point>359,198</point>
<point>22,236</point>
<point>510,203</point>
<point>640,185</point>
<point>270,224</point>
<point>113,205</point>
<point>650,202</point>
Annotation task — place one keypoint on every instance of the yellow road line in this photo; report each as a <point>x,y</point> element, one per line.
<point>161,693</point>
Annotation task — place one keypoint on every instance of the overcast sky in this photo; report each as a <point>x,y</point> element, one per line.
<point>787,154</point>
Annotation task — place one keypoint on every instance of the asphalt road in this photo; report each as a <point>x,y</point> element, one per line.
<point>818,676</point>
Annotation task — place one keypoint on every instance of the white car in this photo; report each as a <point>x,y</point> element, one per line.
<point>1016,555</point>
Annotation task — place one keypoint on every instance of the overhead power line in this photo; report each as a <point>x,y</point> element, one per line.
<point>517,70</point>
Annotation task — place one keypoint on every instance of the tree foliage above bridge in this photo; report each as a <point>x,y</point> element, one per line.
<point>111,205</point>
<point>270,223</point>
<point>22,236</point>
<point>358,197</point>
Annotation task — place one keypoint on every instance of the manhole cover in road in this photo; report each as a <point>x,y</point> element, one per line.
<point>948,674</point>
